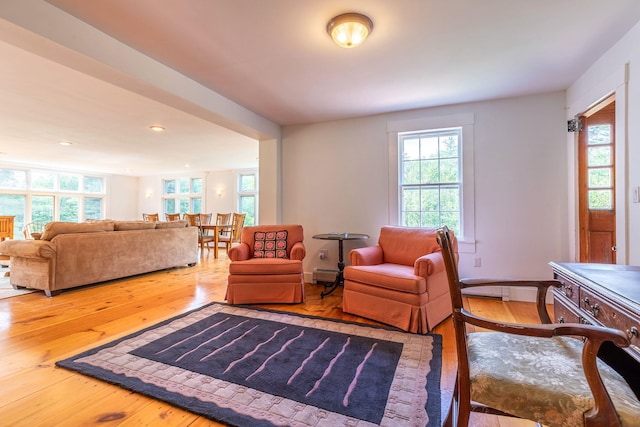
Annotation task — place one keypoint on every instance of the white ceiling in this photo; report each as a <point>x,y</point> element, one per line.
<point>274,58</point>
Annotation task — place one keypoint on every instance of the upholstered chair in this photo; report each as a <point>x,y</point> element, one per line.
<point>266,266</point>
<point>401,281</point>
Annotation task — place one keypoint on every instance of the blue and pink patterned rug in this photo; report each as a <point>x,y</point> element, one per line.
<point>251,367</point>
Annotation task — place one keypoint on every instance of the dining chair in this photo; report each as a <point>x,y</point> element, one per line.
<point>154,217</point>
<point>172,216</point>
<point>204,236</point>
<point>233,236</point>
<point>33,230</point>
<point>547,373</point>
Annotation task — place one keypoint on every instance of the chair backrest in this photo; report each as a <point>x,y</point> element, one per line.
<point>223,219</point>
<point>403,245</point>
<point>172,216</point>
<point>205,218</point>
<point>154,217</point>
<point>237,224</point>
<point>192,219</point>
<point>33,228</point>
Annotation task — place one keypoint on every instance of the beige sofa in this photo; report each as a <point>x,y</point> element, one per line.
<point>69,255</point>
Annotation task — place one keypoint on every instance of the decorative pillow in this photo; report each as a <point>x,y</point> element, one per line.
<point>270,244</point>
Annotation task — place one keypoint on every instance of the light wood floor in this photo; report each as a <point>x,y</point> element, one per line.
<point>36,331</point>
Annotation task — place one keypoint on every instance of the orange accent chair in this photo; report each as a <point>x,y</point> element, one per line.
<point>266,266</point>
<point>402,281</point>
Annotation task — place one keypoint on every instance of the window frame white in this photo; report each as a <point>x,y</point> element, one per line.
<point>466,241</point>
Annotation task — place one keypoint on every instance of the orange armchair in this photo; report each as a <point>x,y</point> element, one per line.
<point>266,267</point>
<point>401,282</point>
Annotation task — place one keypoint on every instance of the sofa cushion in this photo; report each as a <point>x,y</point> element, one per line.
<point>258,266</point>
<point>390,276</point>
<point>134,225</point>
<point>181,223</point>
<point>270,244</point>
<point>52,229</point>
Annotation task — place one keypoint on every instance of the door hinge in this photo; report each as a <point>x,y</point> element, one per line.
<point>574,125</point>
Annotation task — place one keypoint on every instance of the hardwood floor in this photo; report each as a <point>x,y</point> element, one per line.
<point>36,331</point>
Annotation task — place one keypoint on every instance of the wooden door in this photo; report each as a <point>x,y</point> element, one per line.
<point>596,180</point>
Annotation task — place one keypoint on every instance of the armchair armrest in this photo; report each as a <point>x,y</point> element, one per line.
<point>241,252</point>
<point>541,295</point>
<point>428,264</point>
<point>369,255</point>
<point>298,251</point>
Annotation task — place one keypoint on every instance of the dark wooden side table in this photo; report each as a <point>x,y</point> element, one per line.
<point>340,237</point>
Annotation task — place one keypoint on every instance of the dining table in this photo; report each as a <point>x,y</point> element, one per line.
<point>216,228</point>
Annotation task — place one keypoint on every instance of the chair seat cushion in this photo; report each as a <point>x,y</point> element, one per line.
<point>541,379</point>
<point>389,276</point>
<point>266,266</point>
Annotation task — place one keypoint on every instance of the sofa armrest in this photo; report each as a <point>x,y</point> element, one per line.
<point>369,255</point>
<point>241,252</point>
<point>298,251</point>
<point>28,249</point>
<point>429,264</point>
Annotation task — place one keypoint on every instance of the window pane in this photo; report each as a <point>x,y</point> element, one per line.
<point>411,219</point>
<point>599,134</point>
<point>429,172</point>
<point>41,180</point>
<point>69,209</point>
<point>449,170</point>
<point>248,206</point>
<point>411,199</point>
<point>170,186</point>
<point>170,205</point>
<point>411,148</point>
<point>599,178</point>
<point>15,179</point>
<point>411,172</point>
<point>196,185</point>
<point>599,156</point>
<point>449,146</point>
<point>69,182</point>
<point>430,200</point>
<point>450,199</point>
<point>196,204</point>
<point>15,205</point>
<point>600,199</point>
<point>42,208</point>
<point>429,147</point>
<point>93,184</point>
<point>430,220</point>
<point>183,185</point>
<point>92,208</point>
<point>247,183</point>
<point>184,206</point>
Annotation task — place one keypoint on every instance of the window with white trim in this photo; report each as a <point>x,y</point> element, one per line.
<point>431,177</point>
<point>182,195</point>
<point>248,196</point>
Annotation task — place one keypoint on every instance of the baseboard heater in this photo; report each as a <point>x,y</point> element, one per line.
<point>321,275</point>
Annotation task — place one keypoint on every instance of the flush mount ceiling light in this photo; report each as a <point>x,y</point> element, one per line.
<point>65,143</point>
<point>349,29</point>
<point>156,128</point>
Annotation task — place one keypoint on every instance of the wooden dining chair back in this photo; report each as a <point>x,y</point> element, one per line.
<point>223,219</point>
<point>547,373</point>
<point>172,216</point>
<point>33,230</point>
<point>233,236</point>
<point>153,217</point>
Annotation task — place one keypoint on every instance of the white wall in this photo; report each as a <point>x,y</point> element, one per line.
<point>618,70</point>
<point>335,174</point>
<point>123,196</point>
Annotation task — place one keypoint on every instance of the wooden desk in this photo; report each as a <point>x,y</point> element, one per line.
<point>605,295</point>
<point>216,235</point>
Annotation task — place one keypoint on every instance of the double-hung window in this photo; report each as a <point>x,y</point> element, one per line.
<point>182,195</point>
<point>431,178</point>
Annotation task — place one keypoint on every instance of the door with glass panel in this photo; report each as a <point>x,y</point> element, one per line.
<point>596,179</point>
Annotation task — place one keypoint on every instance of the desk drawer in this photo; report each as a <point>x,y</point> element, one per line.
<point>569,289</point>
<point>564,311</point>
<point>604,313</point>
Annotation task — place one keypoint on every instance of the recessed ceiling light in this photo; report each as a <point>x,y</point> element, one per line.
<point>187,165</point>
<point>65,143</point>
<point>156,128</point>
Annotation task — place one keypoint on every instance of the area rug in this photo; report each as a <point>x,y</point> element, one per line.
<point>249,367</point>
<point>7,291</point>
